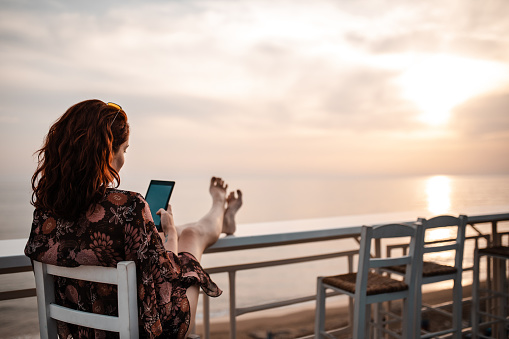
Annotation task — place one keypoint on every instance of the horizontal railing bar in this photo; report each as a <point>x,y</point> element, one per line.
<point>282,303</point>
<point>18,294</point>
<point>485,236</point>
<point>479,219</point>
<point>267,306</point>
<point>263,264</point>
<point>281,239</point>
<point>20,269</point>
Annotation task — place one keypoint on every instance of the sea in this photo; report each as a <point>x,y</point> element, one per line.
<point>270,199</point>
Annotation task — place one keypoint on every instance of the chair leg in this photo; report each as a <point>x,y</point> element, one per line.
<point>475,296</point>
<point>417,312</point>
<point>457,308</point>
<point>350,316</point>
<point>502,300</point>
<point>378,320</point>
<point>320,309</point>
<point>362,315</point>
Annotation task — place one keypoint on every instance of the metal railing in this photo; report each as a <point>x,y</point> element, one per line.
<point>232,270</point>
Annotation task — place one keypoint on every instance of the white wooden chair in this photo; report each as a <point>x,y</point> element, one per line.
<point>433,272</point>
<point>367,287</point>
<point>124,276</point>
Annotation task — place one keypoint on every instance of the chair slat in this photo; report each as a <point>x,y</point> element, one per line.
<point>441,221</point>
<point>107,275</point>
<point>385,262</point>
<point>392,231</point>
<point>93,320</point>
<point>433,249</point>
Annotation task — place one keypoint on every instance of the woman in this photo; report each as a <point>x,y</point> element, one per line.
<point>79,219</point>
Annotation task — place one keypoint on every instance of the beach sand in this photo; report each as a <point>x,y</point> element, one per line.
<point>19,319</point>
<point>292,324</point>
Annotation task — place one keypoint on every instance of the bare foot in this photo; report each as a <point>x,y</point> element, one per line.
<point>234,204</point>
<point>218,190</point>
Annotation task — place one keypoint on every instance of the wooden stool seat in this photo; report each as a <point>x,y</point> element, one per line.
<point>429,269</point>
<point>377,283</point>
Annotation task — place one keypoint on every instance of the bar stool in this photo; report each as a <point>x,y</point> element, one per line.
<point>368,287</point>
<point>433,272</point>
<point>496,324</point>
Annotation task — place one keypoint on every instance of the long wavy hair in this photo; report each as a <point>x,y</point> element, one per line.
<point>74,164</point>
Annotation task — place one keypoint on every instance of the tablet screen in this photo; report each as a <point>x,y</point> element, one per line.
<point>158,196</point>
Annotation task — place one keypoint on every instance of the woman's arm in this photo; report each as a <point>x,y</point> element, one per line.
<point>169,235</point>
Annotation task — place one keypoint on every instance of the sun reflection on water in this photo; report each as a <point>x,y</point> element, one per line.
<point>438,191</point>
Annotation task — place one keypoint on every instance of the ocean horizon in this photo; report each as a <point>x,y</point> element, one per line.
<point>275,198</point>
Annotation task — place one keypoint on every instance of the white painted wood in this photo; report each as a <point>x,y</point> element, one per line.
<point>362,301</point>
<point>93,320</point>
<point>320,309</point>
<point>100,274</point>
<point>459,223</point>
<point>45,297</point>
<point>124,276</point>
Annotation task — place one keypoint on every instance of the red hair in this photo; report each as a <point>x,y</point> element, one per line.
<point>74,164</point>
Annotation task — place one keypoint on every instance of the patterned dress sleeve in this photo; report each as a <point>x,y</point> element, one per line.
<point>161,306</point>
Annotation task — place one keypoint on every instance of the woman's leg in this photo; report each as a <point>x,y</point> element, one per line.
<point>234,203</point>
<point>196,237</point>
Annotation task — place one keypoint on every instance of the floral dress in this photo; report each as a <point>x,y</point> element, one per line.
<point>119,228</point>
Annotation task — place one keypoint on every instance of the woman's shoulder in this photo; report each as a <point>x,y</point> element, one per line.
<point>123,197</point>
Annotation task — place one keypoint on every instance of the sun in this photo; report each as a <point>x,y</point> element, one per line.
<point>438,83</point>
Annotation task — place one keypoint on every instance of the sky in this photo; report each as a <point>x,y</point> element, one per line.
<point>266,87</point>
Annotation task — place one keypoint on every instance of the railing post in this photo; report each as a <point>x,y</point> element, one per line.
<point>233,307</point>
<point>495,238</point>
<point>206,316</point>
<point>350,299</point>
<point>498,267</point>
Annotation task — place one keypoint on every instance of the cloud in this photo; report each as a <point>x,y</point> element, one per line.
<point>254,85</point>
<point>484,117</point>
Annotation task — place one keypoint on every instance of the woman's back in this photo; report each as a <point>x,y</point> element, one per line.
<point>118,228</point>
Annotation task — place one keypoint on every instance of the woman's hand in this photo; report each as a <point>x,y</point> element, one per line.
<point>169,234</point>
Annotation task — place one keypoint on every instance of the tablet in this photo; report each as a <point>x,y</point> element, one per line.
<point>158,196</point>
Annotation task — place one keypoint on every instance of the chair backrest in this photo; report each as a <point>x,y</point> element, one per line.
<point>411,259</point>
<point>124,276</point>
<point>456,245</point>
